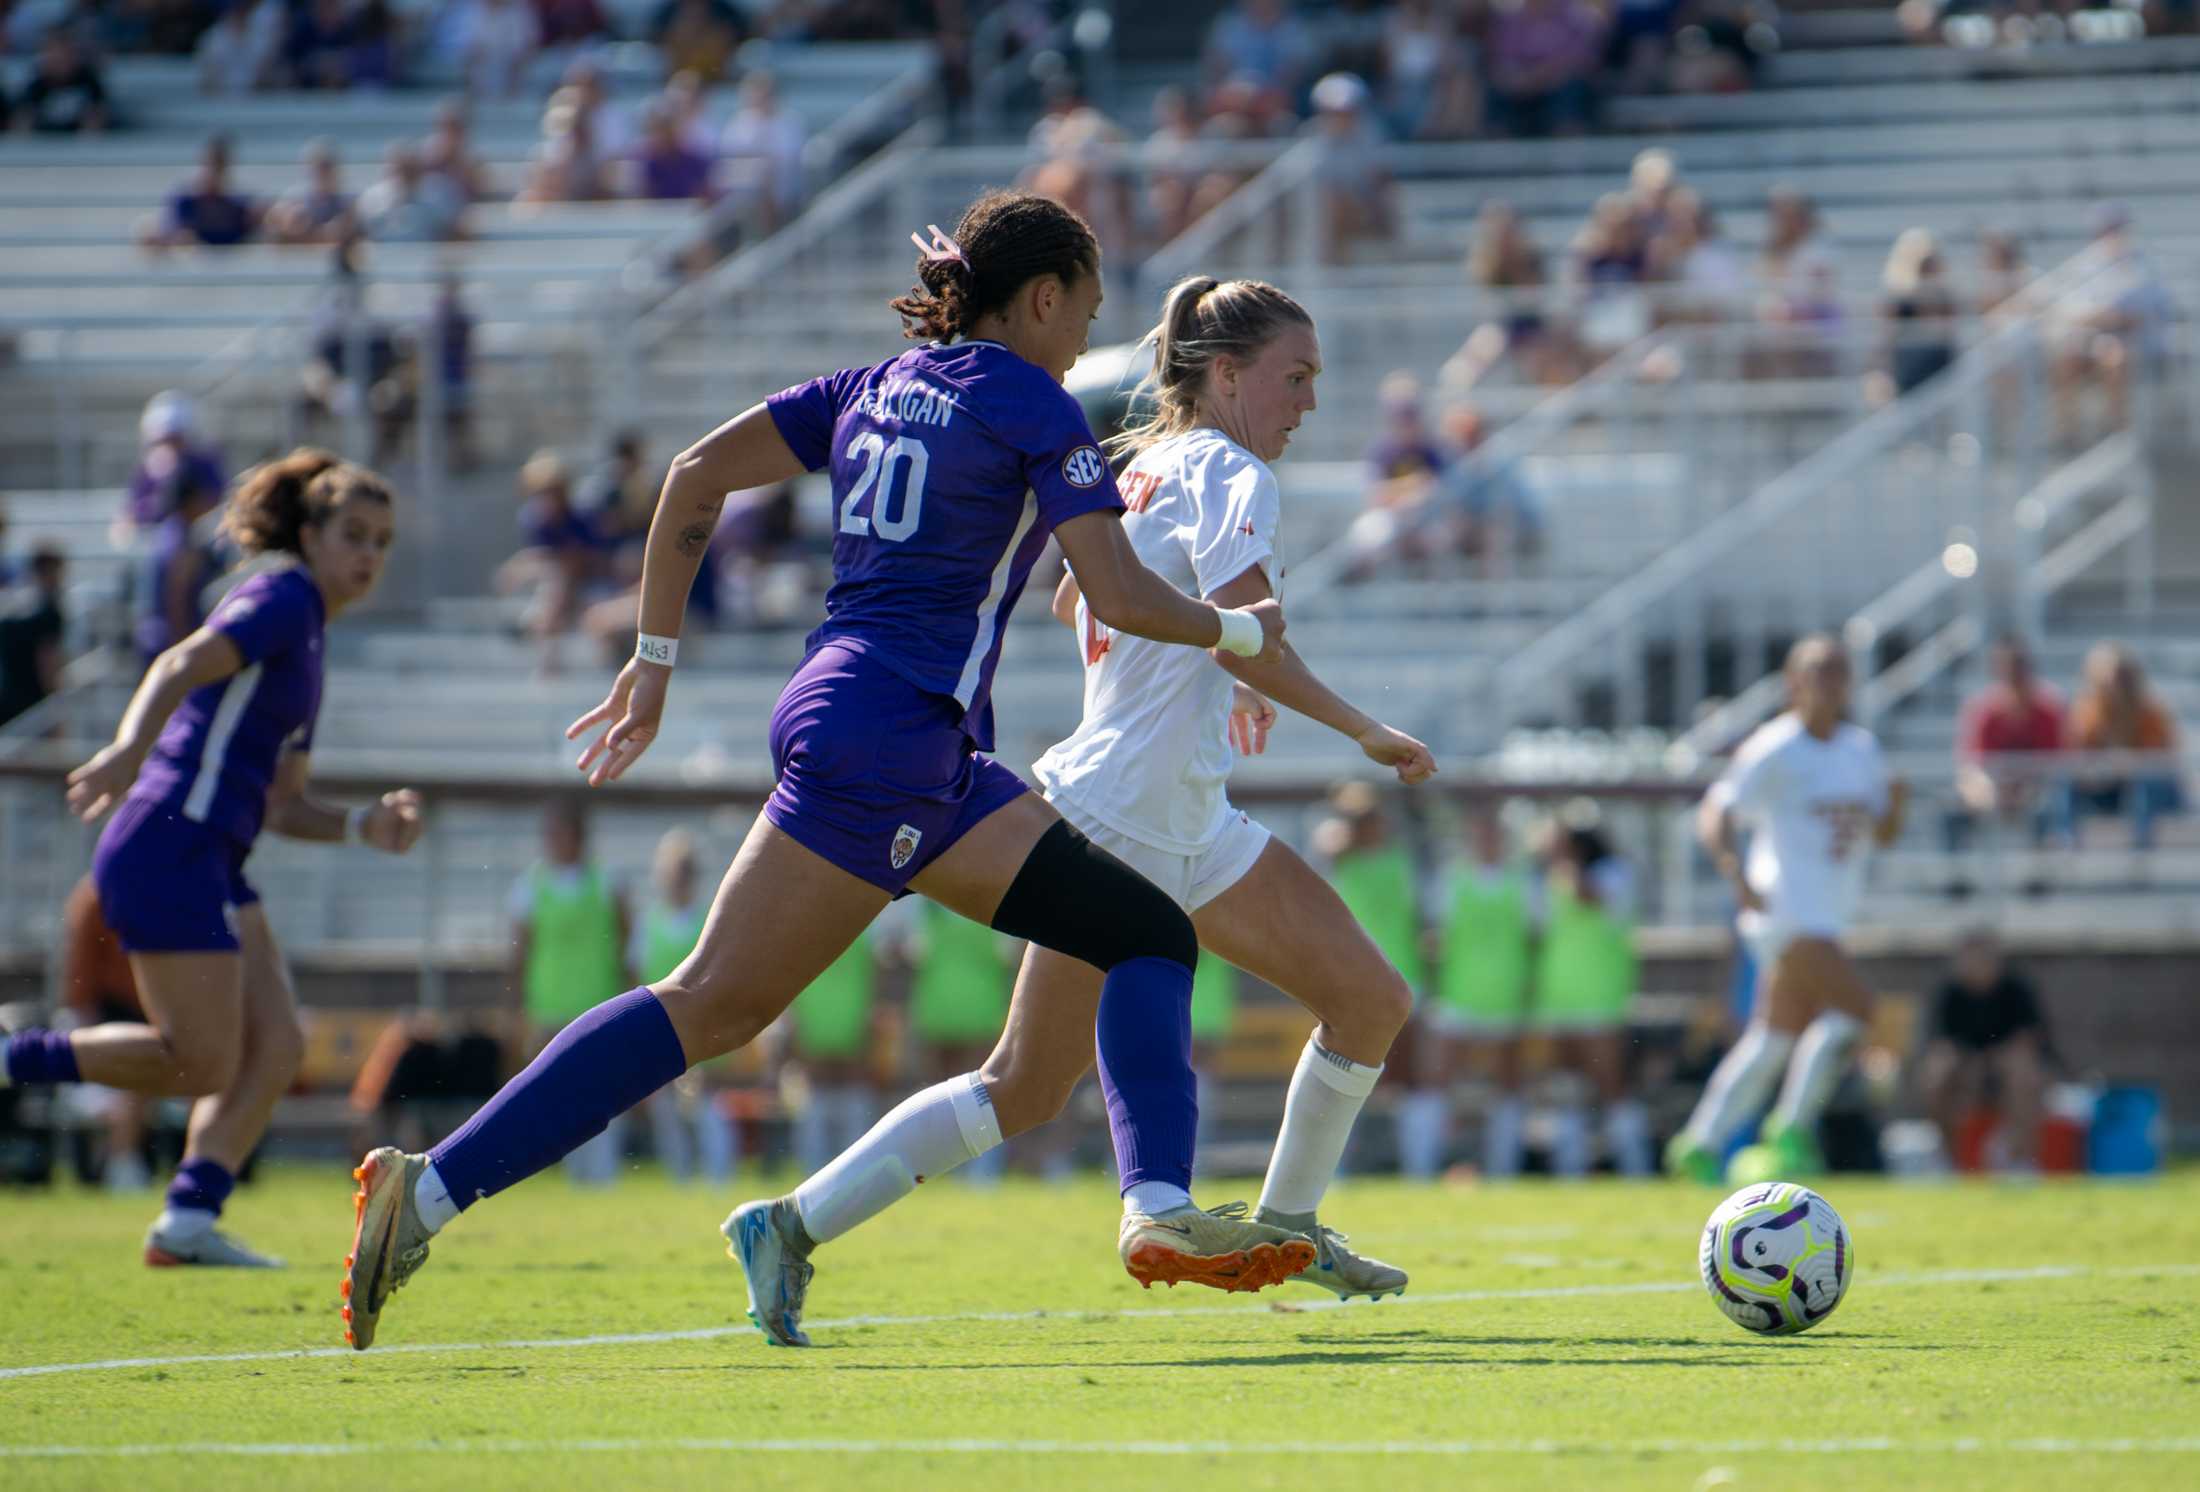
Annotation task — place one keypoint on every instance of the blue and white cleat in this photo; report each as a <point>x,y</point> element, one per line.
<point>766,1239</point>
<point>1344,1273</point>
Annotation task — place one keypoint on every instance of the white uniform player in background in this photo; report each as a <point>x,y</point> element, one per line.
<point>1813,792</point>
<point>1143,775</point>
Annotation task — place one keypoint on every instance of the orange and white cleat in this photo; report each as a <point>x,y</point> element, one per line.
<point>389,1243</point>
<point>1221,1247</point>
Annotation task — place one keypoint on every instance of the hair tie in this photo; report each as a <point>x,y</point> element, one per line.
<point>940,248</point>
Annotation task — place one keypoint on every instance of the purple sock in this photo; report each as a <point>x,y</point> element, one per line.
<point>201,1186</point>
<point>1145,1039</point>
<point>593,1071</point>
<point>40,1056</point>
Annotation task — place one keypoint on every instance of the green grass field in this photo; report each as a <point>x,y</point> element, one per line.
<point>1555,1337</point>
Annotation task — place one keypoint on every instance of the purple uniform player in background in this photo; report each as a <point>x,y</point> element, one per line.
<point>950,466</point>
<point>212,749</point>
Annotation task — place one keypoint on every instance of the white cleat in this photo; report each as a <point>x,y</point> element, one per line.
<point>210,1247</point>
<point>767,1241</point>
<point>389,1243</point>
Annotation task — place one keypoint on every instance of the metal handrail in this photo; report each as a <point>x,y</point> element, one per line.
<point>1546,663</point>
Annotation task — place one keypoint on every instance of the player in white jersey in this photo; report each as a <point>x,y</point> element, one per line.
<point>1815,796</point>
<point>1143,776</point>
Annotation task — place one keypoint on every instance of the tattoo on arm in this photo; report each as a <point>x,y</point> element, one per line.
<point>693,538</point>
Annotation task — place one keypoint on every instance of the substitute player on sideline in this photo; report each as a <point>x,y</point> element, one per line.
<point>1143,776</point>
<point>212,749</point>
<point>1814,793</point>
<point>950,464</point>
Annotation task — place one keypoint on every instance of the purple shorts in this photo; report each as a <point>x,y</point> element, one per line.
<point>875,774</point>
<point>168,884</point>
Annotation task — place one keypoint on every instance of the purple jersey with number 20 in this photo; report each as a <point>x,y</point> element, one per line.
<point>950,465</point>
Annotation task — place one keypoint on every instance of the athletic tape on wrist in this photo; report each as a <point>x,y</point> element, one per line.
<point>355,824</point>
<point>1241,633</point>
<point>661,650</point>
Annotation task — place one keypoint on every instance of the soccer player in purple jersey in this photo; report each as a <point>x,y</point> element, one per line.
<point>212,749</point>
<point>951,464</point>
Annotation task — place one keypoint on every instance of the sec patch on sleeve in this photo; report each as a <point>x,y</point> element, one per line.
<point>1084,467</point>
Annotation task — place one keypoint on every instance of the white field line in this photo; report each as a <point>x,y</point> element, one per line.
<point>1280,1307</point>
<point>1972,1446</point>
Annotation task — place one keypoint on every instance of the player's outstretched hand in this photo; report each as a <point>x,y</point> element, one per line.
<point>393,825</point>
<point>1395,749</point>
<point>633,707</point>
<point>99,784</point>
<point>1270,612</point>
<point>1251,718</point>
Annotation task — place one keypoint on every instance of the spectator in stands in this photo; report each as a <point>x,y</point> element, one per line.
<point>2111,329</point>
<point>240,52</point>
<point>1988,1042</point>
<point>699,36</point>
<point>1918,312</point>
<point>567,24</point>
<point>204,211</point>
<point>1171,160</point>
<point>1484,508</point>
<point>570,931</point>
<point>179,560</point>
<point>320,212</point>
<point>1357,205</point>
<point>2115,711</point>
<point>176,464</point>
<point>2014,714</point>
<point>98,987</point>
<point>66,94</point>
<point>686,95</point>
<point>1429,89</point>
<point>495,41</point>
<point>2002,273</point>
<point>451,331</point>
<point>372,58</point>
<point>619,498</point>
<point>608,125</point>
<point>1404,448</point>
<point>562,557</point>
<point>1796,279</point>
<point>448,152</point>
<point>762,151</point>
<point>1720,45</point>
<point>32,623</point>
<point>407,205</point>
<point>569,165</point>
<point>1542,56</point>
<point>1606,266</point>
<point>1261,43</point>
<point>1641,42</point>
<point>1705,277</point>
<point>318,50</point>
<point>1507,267</point>
<point>665,168</point>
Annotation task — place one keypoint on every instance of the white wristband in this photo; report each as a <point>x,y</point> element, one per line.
<point>661,650</point>
<point>355,823</point>
<point>1241,633</point>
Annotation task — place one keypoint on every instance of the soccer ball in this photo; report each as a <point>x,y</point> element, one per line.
<point>1776,1258</point>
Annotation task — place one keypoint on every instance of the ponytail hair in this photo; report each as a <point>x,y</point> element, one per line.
<point>1003,242</point>
<point>1202,318</point>
<point>277,501</point>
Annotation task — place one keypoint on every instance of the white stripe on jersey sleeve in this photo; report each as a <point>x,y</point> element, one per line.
<point>989,620</point>
<point>228,715</point>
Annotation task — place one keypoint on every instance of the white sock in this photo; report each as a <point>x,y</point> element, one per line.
<point>1821,1057</point>
<point>1155,1197</point>
<point>1424,1125</point>
<point>185,1222</point>
<point>1323,1102</point>
<point>1627,1137</point>
<point>925,1135</point>
<point>1570,1142</point>
<point>432,1200</point>
<point>1739,1085</point>
<point>1501,1136</point>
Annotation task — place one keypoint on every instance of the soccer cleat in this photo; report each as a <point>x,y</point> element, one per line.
<point>1685,1157</point>
<point>1797,1149</point>
<point>1338,1269</point>
<point>767,1241</point>
<point>208,1247</point>
<point>1755,1165</point>
<point>1220,1247</point>
<point>389,1243</point>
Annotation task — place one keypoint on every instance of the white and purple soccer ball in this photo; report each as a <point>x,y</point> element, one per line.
<point>1777,1258</point>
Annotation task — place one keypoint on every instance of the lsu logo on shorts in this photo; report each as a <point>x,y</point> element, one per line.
<point>1084,467</point>
<point>906,840</point>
